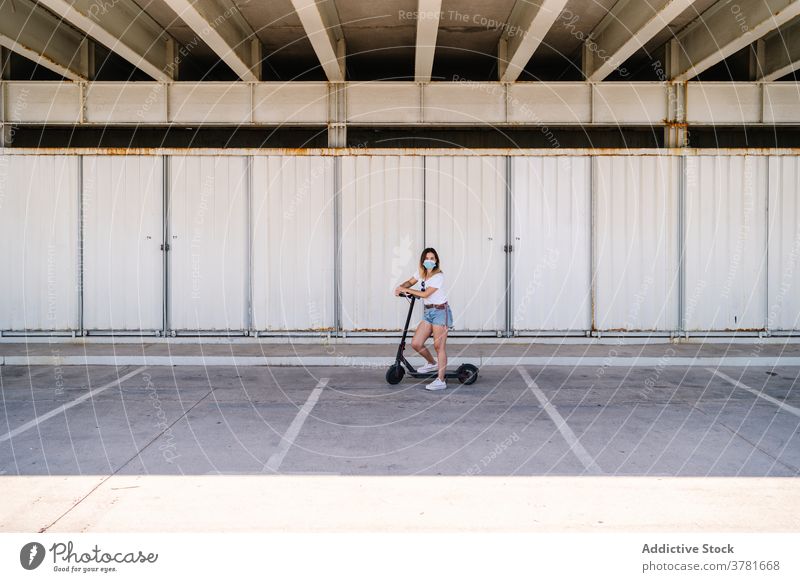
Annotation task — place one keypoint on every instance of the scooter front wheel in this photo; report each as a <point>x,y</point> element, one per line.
<point>467,373</point>
<point>395,373</point>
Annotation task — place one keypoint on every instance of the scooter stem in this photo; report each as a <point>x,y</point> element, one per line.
<point>402,346</point>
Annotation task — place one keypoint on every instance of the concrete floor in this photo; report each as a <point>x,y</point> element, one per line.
<point>189,420</point>
<point>522,421</point>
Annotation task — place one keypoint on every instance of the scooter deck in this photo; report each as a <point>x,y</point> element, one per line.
<point>447,374</point>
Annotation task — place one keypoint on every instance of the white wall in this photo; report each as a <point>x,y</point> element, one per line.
<point>382,228</point>
<point>260,231</point>
<point>123,230</point>
<point>208,232</point>
<point>39,214</point>
<point>726,250</point>
<point>636,243</point>
<point>784,243</point>
<point>552,214</point>
<point>465,223</point>
<point>292,251</point>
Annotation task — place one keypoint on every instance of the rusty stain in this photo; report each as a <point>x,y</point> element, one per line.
<point>386,152</point>
<point>306,331</point>
<point>43,57</point>
<point>375,329</point>
<point>633,330</point>
<point>745,329</point>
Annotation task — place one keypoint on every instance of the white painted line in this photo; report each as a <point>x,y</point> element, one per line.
<point>787,407</point>
<point>275,460</point>
<point>285,473</point>
<point>310,473</point>
<point>574,444</point>
<point>48,415</point>
<point>639,362</point>
<point>377,361</point>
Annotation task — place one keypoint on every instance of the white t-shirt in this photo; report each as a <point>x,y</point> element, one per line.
<point>437,282</point>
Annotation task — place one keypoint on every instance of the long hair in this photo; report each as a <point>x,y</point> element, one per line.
<point>422,270</point>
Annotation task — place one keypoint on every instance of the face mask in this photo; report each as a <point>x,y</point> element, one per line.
<point>429,264</point>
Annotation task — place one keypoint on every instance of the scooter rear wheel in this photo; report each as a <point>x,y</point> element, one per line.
<point>394,374</point>
<point>467,373</point>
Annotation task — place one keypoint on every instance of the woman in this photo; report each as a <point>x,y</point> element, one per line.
<point>437,317</point>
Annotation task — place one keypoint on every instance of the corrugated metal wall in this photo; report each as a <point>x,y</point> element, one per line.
<point>726,250</point>
<point>784,244</point>
<point>208,267</point>
<point>253,241</point>
<point>465,222</point>
<point>551,273</point>
<point>381,237</point>
<point>636,243</point>
<point>292,247</point>
<point>39,228</point>
<point>122,235</point>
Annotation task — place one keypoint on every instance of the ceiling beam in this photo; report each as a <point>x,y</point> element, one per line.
<point>428,13</point>
<point>401,104</point>
<point>43,38</point>
<point>725,28</point>
<point>781,53</point>
<point>627,28</point>
<point>220,24</point>
<point>529,22</point>
<point>321,23</point>
<point>124,28</point>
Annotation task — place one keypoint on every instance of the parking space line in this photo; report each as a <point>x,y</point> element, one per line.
<point>275,460</point>
<point>787,407</point>
<point>574,444</point>
<point>64,407</point>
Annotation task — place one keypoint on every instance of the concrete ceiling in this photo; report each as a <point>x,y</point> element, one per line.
<point>380,37</point>
<point>384,31</point>
<point>681,22</point>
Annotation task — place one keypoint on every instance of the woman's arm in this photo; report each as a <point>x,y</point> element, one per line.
<point>417,293</point>
<point>406,287</point>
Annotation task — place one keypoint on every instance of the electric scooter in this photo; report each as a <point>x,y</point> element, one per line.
<point>465,373</point>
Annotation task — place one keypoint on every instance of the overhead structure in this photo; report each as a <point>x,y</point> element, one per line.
<point>428,13</point>
<point>321,22</point>
<point>724,29</point>
<point>220,24</point>
<point>627,27</point>
<point>46,40</point>
<point>125,29</point>
<point>780,52</point>
<point>526,28</point>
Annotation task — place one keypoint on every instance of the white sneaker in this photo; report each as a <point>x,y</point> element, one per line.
<point>429,368</point>
<point>436,385</point>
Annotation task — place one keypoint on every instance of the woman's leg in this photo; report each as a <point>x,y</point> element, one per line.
<point>440,345</point>
<point>420,337</point>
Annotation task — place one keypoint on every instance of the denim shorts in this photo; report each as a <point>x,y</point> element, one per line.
<point>439,316</point>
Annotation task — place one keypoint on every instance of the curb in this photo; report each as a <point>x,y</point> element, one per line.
<point>375,362</point>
